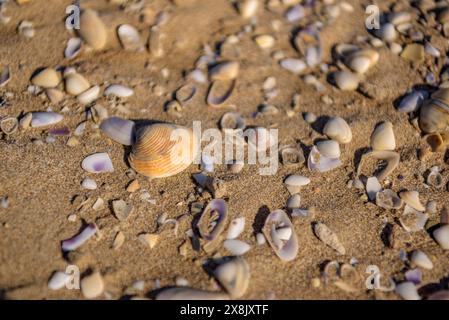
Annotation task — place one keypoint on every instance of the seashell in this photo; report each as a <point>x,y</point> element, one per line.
<point>318,162</point>
<point>260,239</point>
<point>294,202</point>
<point>118,91</point>
<point>412,102</point>
<point>76,84</point>
<point>120,130</point>
<point>343,50</point>
<point>414,276</point>
<point>431,50</point>
<point>361,61</point>
<point>54,95</point>
<point>98,113</point>
<point>373,187</point>
<point>162,150</point>
<point>407,291</point>
<point>234,276</point>
<point>26,28</point>
<point>287,249</point>
<point>346,81</point>
<point>338,129</point>
<point>421,260</point>
<point>294,183</point>
<point>391,157</point>
<point>435,179</point>
<point>269,84</point>
<point>78,240</point>
<point>97,163</point>
<point>121,209</point>
<point>185,293</point>
<point>413,220</point>
<point>260,139</point>
<point>224,71</point>
<point>155,43</point>
<point>328,148</point>
<point>388,199</point>
<point>5,76</point>
<point>46,78</point>
<point>59,280</point>
<point>219,92</point>
<point>213,219</point>
<point>89,184</point>
<point>73,48</point>
<point>386,32</point>
<point>382,137</point>
<point>185,93</point>
<point>174,108</point>
<point>42,119</point>
<point>441,236</point>
<point>310,117</point>
<point>236,247</point>
<point>9,125</point>
<point>443,16</point>
<point>328,237</point>
<point>292,155</point>
<point>198,76</point>
<point>92,286</point>
<point>89,96</point>
<point>92,29</point>
<point>248,8</point>
<point>232,120</point>
<point>434,115</point>
<point>295,66</point>
<point>411,198</point>
<point>130,38</point>
<point>295,13</point>
<point>398,18</point>
<point>265,41</point>
<point>236,227</point>
<point>414,52</point>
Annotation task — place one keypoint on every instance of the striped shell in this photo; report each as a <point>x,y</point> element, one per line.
<point>162,150</point>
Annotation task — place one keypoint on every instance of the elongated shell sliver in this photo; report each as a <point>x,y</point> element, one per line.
<point>288,250</point>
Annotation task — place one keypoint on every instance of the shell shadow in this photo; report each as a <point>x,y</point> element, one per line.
<point>319,124</point>
<point>153,293</point>
<point>358,156</point>
<point>385,234</point>
<point>260,218</point>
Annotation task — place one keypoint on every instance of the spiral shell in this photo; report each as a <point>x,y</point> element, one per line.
<point>162,150</point>
<point>434,115</point>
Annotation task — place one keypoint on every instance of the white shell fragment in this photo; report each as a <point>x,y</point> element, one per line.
<point>294,183</point>
<point>236,247</point>
<point>130,38</point>
<point>89,96</point>
<point>97,163</point>
<point>5,76</point>
<point>119,130</point>
<point>73,48</point>
<point>328,148</point>
<point>236,227</point>
<point>388,199</point>
<point>407,291</point>
<point>372,187</point>
<point>338,129</point>
<point>118,91</point>
<point>42,119</point>
<point>295,66</point>
<point>328,237</point>
<point>411,198</point>
<point>78,240</point>
<point>248,8</point>
<point>413,220</point>
<point>234,276</point>
<point>89,184</point>
<point>284,242</point>
<point>441,236</point>
<point>318,162</point>
<point>421,260</point>
<point>58,280</point>
<point>346,80</point>
<point>294,201</point>
<point>382,138</point>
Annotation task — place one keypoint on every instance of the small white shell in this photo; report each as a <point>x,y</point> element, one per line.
<point>118,91</point>
<point>441,236</point>
<point>248,8</point>
<point>294,183</point>
<point>236,227</point>
<point>318,162</point>
<point>295,66</point>
<point>372,187</point>
<point>224,71</point>
<point>58,280</point>
<point>76,84</point>
<point>89,184</point>
<point>383,138</point>
<point>338,129</point>
<point>286,249</point>
<point>407,291</point>
<point>346,80</point>
<point>234,276</point>
<point>411,198</point>
<point>387,32</point>
<point>130,38</point>
<point>119,130</point>
<point>236,247</point>
<point>74,46</point>
<point>388,199</point>
<point>97,163</point>
<point>413,220</point>
<point>329,148</point>
<point>295,13</point>
<point>260,239</point>
<point>88,96</point>
<point>421,260</point>
<point>41,119</point>
<point>294,201</point>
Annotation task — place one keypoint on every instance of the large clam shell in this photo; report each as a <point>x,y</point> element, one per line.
<point>162,150</point>
<point>285,249</point>
<point>213,219</point>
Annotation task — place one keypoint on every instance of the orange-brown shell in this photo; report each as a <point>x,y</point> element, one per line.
<point>434,114</point>
<point>162,150</point>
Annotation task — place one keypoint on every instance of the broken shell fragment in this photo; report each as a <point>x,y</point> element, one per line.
<point>59,280</point>
<point>328,148</point>
<point>92,29</point>
<point>294,183</point>
<point>392,158</point>
<point>78,240</point>
<point>294,202</point>
<point>286,248</point>
<point>119,130</point>
<point>388,199</point>
<point>225,71</point>
<point>373,187</point>
<point>292,155</point>
<point>413,220</point>
<point>130,38</point>
<point>383,138</point>
<point>361,61</point>
<point>236,247</point>
<point>411,198</point>
<point>213,219</point>
<point>121,209</point>
<point>73,48</point>
<point>328,237</point>
<point>435,179</point>
<point>234,276</point>
<point>97,163</point>
<point>46,78</point>
<point>185,93</point>
<point>118,90</point>
<point>9,125</point>
<point>162,150</point>
<point>295,66</point>
<point>185,293</point>
<point>5,76</point>
<point>441,236</point>
<point>346,81</point>
<point>89,96</point>
<point>318,162</point>
<point>421,260</point>
<point>248,8</point>
<point>89,184</point>
<point>236,227</point>
<point>338,129</point>
<point>407,291</point>
<point>76,84</point>
<point>42,119</point>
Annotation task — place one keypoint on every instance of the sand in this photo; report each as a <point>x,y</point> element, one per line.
<point>41,180</point>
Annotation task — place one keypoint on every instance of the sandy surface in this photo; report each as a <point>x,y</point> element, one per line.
<point>40,180</point>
